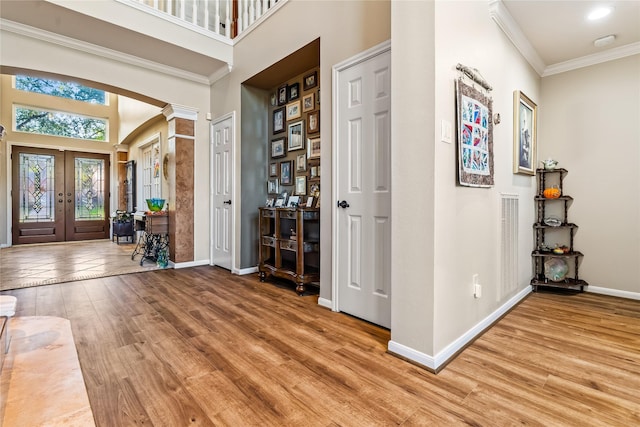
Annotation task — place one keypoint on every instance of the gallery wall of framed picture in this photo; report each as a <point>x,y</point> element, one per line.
<point>293,163</point>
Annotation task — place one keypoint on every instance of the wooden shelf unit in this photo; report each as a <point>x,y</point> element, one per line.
<point>290,244</point>
<point>543,252</point>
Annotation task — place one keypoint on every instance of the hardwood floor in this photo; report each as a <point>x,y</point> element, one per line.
<point>201,347</point>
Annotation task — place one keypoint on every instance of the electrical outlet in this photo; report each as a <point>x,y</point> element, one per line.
<point>477,290</point>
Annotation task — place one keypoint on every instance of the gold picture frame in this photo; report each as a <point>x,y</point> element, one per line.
<point>525,121</point>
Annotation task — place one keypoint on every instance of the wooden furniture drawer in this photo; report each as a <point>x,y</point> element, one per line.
<point>288,214</point>
<point>268,213</point>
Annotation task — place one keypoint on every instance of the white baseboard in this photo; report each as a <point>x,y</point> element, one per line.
<point>613,292</point>
<point>326,303</point>
<point>435,362</point>
<point>243,271</point>
<point>414,355</point>
<point>190,264</point>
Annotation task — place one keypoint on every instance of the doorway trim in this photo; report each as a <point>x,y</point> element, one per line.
<point>113,175</point>
<point>336,70</point>
<point>232,116</point>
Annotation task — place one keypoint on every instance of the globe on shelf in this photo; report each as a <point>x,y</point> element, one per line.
<point>556,269</point>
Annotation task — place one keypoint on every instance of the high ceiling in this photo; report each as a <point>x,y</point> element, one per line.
<point>559,31</point>
<point>552,32</point>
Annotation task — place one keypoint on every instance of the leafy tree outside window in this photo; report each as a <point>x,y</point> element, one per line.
<point>60,124</point>
<point>61,89</point>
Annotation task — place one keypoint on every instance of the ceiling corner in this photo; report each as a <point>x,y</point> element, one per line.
<point>499,13</point>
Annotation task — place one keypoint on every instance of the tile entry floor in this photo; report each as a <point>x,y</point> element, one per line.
<point>43,264</point>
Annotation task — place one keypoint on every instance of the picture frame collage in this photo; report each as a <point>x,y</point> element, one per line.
<point>293,167</point>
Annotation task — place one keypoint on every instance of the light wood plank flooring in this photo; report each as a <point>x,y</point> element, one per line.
<point>201,347</point>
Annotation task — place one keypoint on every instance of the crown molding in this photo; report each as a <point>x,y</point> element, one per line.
<point>594,59</point>
<point>176,111</point>
<point>68,42</point>
<point>499,13</point>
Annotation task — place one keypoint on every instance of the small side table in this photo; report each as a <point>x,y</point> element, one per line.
<point>122,228</point>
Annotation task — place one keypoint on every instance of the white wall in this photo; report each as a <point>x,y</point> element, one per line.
<point>345,28</point>
<point>443,233</point>
<point>588,121</point>
<point>467,220</point>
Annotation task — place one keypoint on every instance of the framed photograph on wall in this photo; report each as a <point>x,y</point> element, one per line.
<point>285,172</point>
<point>278,120</point>
<point>310,81</point>
<point>278,148</point>
<point>272,186</point>
<point>294,91</point>
<point>301,185</point>
<point>296,136</point>
<point>313,122</point>
<point>273,169</point>
<point>524,134</point>
<point>307,102</point>
<point>301,163</point>
<point>293,110</point>
<point>282,95</point>
<point>313,148</point>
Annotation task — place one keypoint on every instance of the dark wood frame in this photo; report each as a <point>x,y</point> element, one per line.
<point>310,81</point>
<point>286,179</point>
<point>279,112</point>
<point>293,91</point>
<point>282,95</point>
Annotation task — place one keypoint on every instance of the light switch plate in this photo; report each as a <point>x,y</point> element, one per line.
<point>446,131</point>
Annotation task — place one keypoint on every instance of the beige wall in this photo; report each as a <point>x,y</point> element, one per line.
<point>588,121</point>
<point>23,52</point>
<point>444,233</point>
<point>467,220</point>
<point>344,28</point>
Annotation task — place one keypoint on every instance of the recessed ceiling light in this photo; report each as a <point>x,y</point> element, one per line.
<point>599,13</point>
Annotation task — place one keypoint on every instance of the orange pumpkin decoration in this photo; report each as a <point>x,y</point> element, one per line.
<point>551,193</point>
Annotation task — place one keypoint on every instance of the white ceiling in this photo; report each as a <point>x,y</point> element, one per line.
<point>553,35</point>
<point>562,37</point>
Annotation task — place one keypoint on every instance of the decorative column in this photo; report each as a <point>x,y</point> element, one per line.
<point>181,143</point>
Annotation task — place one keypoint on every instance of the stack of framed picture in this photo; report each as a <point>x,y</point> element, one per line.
<point>294,147</point>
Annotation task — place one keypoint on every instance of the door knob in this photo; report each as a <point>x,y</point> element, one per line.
<point>69,200</point>
<point>227,202</point>
<point>343,204</point>
<point>60,200</point>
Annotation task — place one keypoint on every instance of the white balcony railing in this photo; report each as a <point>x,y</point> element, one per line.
<point>227,18</point>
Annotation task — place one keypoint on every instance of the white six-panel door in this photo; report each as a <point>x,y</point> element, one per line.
<point>363,205</point>
<point>222,191</point>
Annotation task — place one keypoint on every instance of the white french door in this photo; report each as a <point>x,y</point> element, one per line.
<point>362,235</point>
<point>222,140</point>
